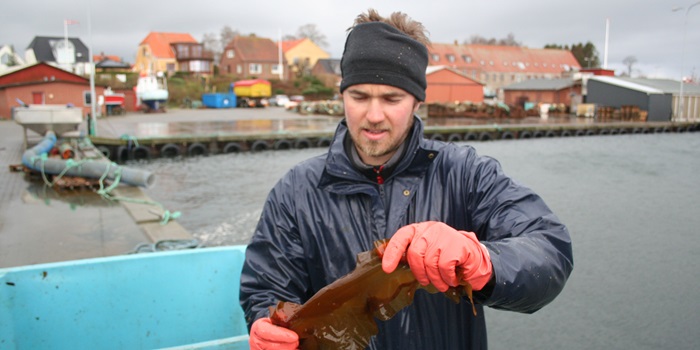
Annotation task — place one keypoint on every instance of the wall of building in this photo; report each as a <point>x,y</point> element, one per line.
<point>658,106</point>
<point>516,97</point>
<point>305,50</point>
<point>54,92</point>
<point>447,86</point>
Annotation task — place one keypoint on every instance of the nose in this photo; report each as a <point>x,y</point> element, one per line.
<point>375,112</point>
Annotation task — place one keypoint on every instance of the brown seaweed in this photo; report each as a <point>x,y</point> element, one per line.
<point>341,315</point>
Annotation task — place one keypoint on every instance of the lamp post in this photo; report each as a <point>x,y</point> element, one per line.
<point>681,106</point>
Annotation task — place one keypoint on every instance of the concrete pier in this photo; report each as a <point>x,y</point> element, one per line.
<point>212,131</point>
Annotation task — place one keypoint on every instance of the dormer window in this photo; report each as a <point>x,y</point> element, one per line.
<point>467,58</point>
<point>436,57</point>
<point>450,58</point>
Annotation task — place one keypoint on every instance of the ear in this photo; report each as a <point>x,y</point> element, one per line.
<point>416,105</point>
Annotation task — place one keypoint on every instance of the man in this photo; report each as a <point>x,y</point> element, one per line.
<point>455,215</point>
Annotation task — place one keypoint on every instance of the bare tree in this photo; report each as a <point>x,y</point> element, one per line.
<point>213,44</point>
<point>629,61</point>
<point>227,34</point>
<point>311,32</point>
<point>480,40</point>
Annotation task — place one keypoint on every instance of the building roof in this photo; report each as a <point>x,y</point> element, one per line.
<point>542,84</point>
<point>632,85</point>
<point>102,56</point>
<point>668,86</point>
<point>433,69</point>
<point>253,48</point>
<point>506,59</point>
<point>330,65</point>
<point>43,47</point>
<point>290,44</point>
<point>110,63</point>
<point>159,42</point>
<point>39,72</point>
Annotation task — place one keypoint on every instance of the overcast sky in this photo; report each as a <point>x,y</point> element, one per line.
<point>649,30</point>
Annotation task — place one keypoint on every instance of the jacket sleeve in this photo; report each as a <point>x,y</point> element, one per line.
<point>274,266</point>
<point>530,248</point>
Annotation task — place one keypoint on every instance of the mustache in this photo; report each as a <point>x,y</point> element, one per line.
<point>375,127</point>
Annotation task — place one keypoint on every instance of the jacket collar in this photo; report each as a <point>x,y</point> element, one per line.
<point>339,167</point>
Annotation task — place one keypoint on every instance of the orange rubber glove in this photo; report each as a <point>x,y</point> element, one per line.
<point>265,335</point>
<point>439,255</point>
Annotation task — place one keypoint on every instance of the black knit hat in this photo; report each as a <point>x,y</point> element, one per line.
<point>377,53</point>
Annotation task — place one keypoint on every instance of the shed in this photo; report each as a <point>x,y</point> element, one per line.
<point>43,83</point>
<point>616,92</point>
<point>553,91</point>
<point>446,84</point>
<point>691,94</point>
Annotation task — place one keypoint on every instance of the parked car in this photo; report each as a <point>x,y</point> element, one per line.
<point>279,100</point>
<point>294,101</point>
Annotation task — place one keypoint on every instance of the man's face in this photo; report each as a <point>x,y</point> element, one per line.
<point>379,118</point>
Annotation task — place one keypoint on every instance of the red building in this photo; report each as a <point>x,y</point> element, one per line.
<point>449,85</point>
<point>251,57</point>
<point>42,83</point>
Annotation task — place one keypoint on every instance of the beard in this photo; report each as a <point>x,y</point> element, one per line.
<point>379,148</point>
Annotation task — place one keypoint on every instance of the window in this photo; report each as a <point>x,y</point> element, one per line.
<point>196,51</point>
<point>87,98</point>
<point>144,52</point>
<point>230,54</point>
<point>436,57</point>
<point>239,69</point>
<point>254,68</point>
<point>467,58</point>
<point>170,67</point>
<point>450,58</point>
<point>182,51</point>
<point>276,69</point>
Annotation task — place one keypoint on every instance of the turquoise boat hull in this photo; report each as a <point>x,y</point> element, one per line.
<point>185,299</point>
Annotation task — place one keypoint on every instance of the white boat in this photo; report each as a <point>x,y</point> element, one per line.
<point>152,91</point>
<point>61,119</point>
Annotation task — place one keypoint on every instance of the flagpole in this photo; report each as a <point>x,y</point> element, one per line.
<point>279,52</point>
<point>65,33</point>
<point>93,99</point>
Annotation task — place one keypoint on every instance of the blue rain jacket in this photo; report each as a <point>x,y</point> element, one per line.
<point>323,212</point>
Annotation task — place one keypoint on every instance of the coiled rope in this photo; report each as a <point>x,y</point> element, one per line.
<point>105,192</point>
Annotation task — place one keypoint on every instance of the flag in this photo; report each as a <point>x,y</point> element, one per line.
<point>70,21</point>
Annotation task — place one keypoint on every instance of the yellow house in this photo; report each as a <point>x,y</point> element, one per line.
<point>155,53</point>
<point>301,55</point>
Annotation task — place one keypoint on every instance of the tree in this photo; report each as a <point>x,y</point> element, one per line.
<point>217,44</point>
<point>213,44</point>
<point>629,61</point>
<point>586,54</point>
<point>312,33</point>
<point>480,40</point>
<point>227,34</point>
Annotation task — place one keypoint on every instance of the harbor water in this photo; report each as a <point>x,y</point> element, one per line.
<point>631,202</point>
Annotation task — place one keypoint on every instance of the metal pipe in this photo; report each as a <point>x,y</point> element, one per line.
<point>92,169</point>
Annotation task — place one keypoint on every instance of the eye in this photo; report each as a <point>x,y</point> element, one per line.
<point>358,97</point>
